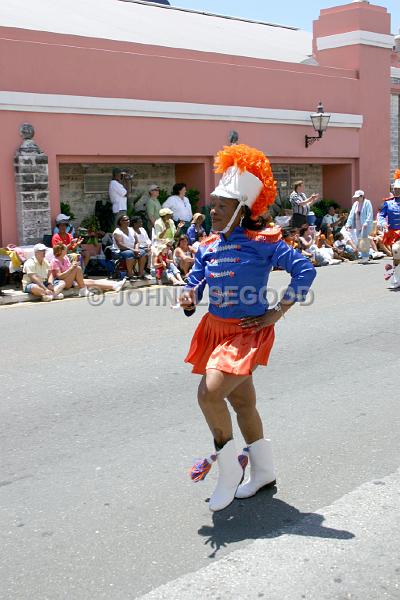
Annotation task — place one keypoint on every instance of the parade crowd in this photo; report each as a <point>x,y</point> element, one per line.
<point>159,242</point>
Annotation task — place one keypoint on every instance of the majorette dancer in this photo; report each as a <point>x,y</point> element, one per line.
<point>389,215</point>
<point>237,333</point>
<point>389,219</point>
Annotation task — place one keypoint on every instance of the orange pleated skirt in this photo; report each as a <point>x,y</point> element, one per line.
<point>391,236</point>
<point>223,345</point>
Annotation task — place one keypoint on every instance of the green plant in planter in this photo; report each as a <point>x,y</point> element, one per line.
<point>66,210</point>
<point>163,195</point>
<point>194,199</point>
<point>320,208</point>
<point>92,225</point>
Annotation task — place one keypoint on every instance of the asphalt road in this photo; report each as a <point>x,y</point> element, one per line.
<point>99,425</point>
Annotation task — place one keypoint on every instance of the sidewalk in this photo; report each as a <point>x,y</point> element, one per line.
<point>346,551</point>
<point>14,296</point>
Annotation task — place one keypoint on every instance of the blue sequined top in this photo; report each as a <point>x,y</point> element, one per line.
<point>237,271</point>
<point>390,213</point>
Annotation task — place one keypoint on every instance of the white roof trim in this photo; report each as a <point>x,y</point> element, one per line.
<point>152,24</point>
<point>211,14</point>
<point>350,38</point>
<point>88,105</point>
<point>395,72</point>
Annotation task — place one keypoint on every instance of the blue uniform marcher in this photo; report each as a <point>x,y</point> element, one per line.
<point>389,215</point>
<point>237,333</point>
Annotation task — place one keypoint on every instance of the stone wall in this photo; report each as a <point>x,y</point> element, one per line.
<point>82,185</point>
<point>286,175</point>
<point>395,133</point>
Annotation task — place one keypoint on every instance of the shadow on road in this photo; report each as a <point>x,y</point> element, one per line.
<point>264,517</point>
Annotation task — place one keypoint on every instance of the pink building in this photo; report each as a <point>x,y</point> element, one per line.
<point>158,89</point>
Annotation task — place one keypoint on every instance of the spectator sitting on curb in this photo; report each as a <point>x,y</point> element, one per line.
<point>63,237</point>
<point>376,240</point>
<point>196,228</point>
<point>70,274</point>
<point>37,279</point>
<point>332,219</point>
<point>184,255</point>
<point>166,270</point>
<point>164,227</point>
<point>126,244</point>
<point>196,245</point>
<point>143,247</point>
<point>326,240</point>
<point>66,218</point>
<point>342,249</point>
<point>290,235</point>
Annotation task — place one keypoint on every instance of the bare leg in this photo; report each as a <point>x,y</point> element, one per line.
<point>36,290</point>
<point>68,278</point>
<point>100,285</point>
<point>186,264</point>
<point>243,402</point>
<point>141,265</point>
<point>129,266</point>
<point>214,387</point>
<point>79,277</point>
<point>57,289</point>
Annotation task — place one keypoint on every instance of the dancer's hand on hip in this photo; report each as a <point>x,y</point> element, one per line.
<point>265,320</point>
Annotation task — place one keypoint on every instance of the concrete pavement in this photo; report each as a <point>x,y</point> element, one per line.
<point>349,550</point>
<point>99,424</point>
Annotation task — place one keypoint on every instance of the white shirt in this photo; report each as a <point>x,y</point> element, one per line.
<point>117,194</point>
<point>144,240</point>
<point>180,207</point>
<point>330,219</point>
<point>129,241</point>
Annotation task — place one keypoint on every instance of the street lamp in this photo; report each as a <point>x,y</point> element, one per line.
<point>320,120</point>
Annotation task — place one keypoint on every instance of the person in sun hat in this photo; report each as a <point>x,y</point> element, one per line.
<point>360,220</point>
<point>389,215</point>
<point>237,333</point>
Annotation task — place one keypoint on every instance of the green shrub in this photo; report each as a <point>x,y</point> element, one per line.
<point>320,208</point>
<point>66,210</point>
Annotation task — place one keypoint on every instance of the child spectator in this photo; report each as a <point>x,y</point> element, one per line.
<point>342,249</point>
<point>290,235</point>
<point>184,255</point>
<point>166,270</point>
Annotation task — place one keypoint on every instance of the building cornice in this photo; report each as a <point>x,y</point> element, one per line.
<point>351,38</point>
<point>91,105</point>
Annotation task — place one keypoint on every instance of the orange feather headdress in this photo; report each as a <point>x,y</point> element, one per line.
<point>397,174</point>
<point>255,162</point>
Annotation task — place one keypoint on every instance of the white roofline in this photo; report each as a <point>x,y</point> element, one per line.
<point>210,14</point>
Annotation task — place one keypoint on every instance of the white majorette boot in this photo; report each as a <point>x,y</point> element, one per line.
<point>262,473</point>
<point>231,470</point>
<point>230,474</point>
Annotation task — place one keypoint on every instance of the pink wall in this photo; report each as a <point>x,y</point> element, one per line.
<point>373,95</point>
<point>347,82</point>
<point>82,138</point>
<point>121,70</point>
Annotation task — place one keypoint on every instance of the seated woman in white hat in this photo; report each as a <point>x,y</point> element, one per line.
<point>237,333</point>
